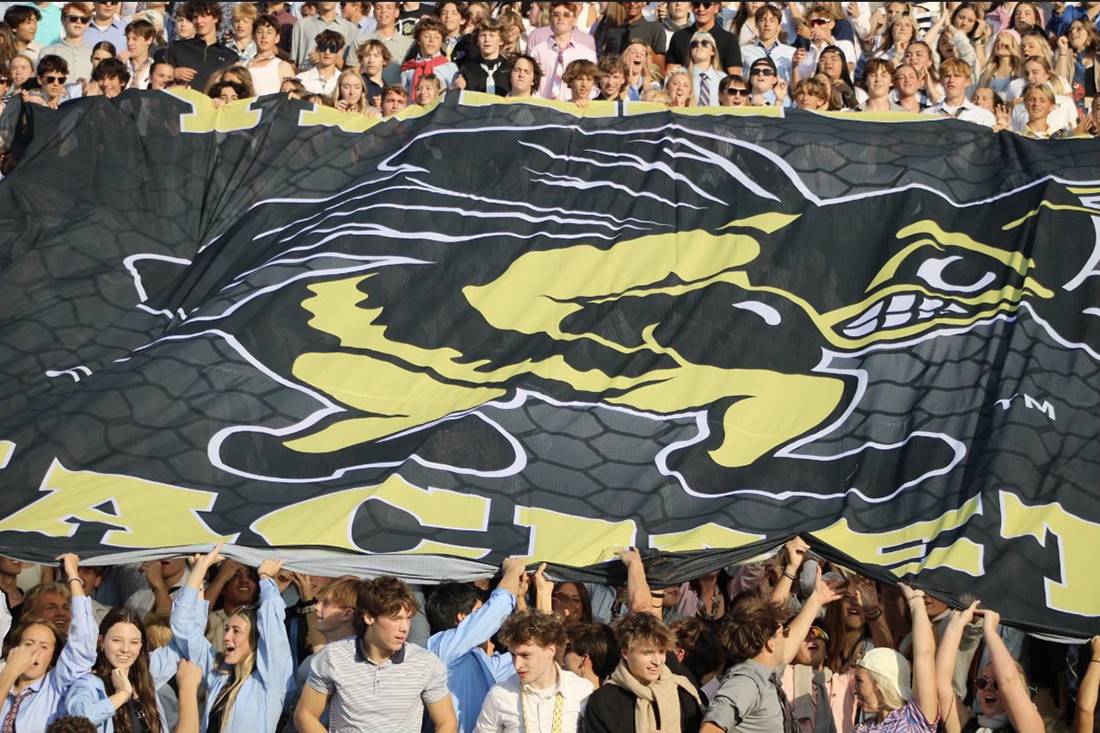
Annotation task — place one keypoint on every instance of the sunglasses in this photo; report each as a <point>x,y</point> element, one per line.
<point>762,71</point>
<point>703,5</point>
<point>985,683</point>
<point>77,19</point>
<point>5,80</point>
<point>329,47</point>
<point>819,21</point>
<point>704,44</point>
<point>735,92</point>
<point>51,79</point>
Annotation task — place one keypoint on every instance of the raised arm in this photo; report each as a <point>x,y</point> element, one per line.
<point>274,661</point>
<point>866,595</point>
<point>479,626</point>
<point>955,715</point>
<point>79,653</point>
<point>1087,691</point>
<point>162,599</point>
<point>544,590</point>
<point>639,597</point>
<point>190,614</point>
<point>821,596</point>
<point>1022,712</point>
<point>188,679</point>
<point>794,552</point>
<point>924,649</point>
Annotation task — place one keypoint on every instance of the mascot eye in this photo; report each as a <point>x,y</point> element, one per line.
<point>931,271</point>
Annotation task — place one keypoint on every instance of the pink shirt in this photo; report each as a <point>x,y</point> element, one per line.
<point>554,61</point>
<point>842,702</point>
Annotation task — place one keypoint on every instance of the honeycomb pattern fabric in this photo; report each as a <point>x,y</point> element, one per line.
<point>485,330</point>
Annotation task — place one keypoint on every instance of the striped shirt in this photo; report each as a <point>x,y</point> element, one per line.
<point>907,719</point>
<point>385,697</point>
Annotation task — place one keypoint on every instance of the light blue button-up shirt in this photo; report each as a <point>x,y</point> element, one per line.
<point>77,657</point>
<point>88,697</point>
<point>261,698</point>
<point>470,671</point>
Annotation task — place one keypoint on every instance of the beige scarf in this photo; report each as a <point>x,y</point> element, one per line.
<point>662,693</point>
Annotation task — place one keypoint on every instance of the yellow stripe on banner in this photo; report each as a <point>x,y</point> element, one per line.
<point>770,111</point>
<point>596,108</point>
<point>1052,207</point>
<point>703,537</point>
<point>1083,190</point>
<point>205,117</point>
<point>7,449</point>
<point>769,223</point>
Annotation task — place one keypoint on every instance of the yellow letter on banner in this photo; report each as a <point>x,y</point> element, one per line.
<point>570,540</point>
<point>205,117</point>
<point>1078,543</point>
<point>703,537</point>
<point>7,448</point>
<point>147,513</point>
<point>909,545</point>
<point>327,520</point>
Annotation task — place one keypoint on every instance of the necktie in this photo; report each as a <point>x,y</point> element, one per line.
<point>790,725</point>
<point>490,82</point>
<point>555,721</point>
<point>704,90</point>
<point>13,711</point>
<point>559,69</point>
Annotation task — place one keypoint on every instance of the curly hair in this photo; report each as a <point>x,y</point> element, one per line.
<point>533,627</point>
<point>71,724</point>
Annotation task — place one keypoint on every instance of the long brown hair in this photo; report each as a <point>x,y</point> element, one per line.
<point>145,695</point>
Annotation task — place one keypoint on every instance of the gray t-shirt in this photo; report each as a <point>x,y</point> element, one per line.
<point>747,701</point>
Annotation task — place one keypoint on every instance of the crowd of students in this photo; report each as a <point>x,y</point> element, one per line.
<point>1021,66</point>
<point>788,643</point>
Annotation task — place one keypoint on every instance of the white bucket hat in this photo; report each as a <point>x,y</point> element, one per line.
<point>890,666</point>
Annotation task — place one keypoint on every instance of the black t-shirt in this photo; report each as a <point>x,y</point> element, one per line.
<point>406,19</point>
<point>729,51</point>
<point>372,89</point>
<point>194,53</point>
<point>615,39</point>
<point>476,76</point>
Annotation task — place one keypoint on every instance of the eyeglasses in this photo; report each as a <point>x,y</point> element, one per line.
<point>736,92</point>
<point>762,71</point>
<point>704,44</point>
<point>819,21</point>
<point>329,47</point>
<point>51,79</point>
<point>77,19</point>
<point>985,683</point>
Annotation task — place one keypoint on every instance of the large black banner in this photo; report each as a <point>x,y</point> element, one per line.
<point>493,329</point>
